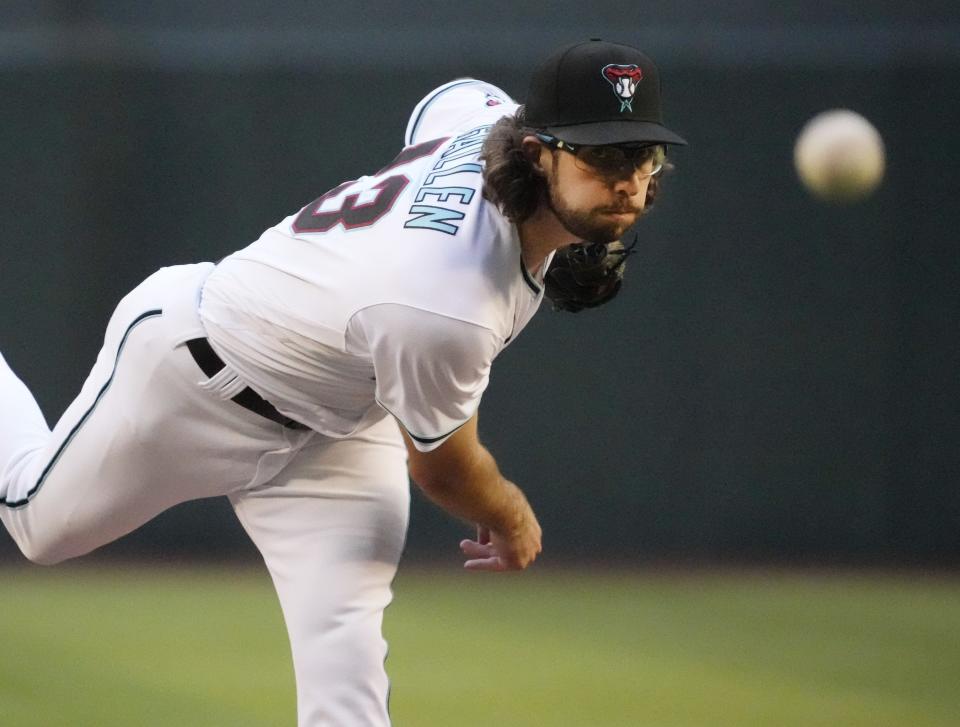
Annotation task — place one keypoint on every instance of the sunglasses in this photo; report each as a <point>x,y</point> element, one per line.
<point>610,161</point>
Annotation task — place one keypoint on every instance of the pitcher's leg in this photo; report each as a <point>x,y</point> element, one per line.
<point>331,529</point>
<point>69,462</point>
<point>141,437</point>
<point>23,430</point>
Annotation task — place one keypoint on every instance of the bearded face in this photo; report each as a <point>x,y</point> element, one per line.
<point>595,213</point>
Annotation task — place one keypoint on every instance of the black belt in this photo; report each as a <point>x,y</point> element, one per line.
<point>211,365</point>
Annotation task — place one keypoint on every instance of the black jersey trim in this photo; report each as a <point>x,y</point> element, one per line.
<point>422,440</point>
<point>431,440</point>
<point>438,94</point>
<point>528,278</point>
<point>86,415</point>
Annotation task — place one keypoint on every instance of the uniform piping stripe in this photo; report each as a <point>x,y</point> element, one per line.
<point>438,94</point>
<point>529,278</point>
<point>422,440</point>
<point>386,654</point>
<point>86,415</point>
<point>431,440</point>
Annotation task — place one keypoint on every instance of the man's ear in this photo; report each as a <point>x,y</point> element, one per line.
<point>533,150</point>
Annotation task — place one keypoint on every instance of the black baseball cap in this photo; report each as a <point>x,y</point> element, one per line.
<point>598,93</point>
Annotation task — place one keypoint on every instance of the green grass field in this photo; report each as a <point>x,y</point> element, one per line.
<point>205,647</point>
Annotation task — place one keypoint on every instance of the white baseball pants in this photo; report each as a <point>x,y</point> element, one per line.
<point>149,431</point>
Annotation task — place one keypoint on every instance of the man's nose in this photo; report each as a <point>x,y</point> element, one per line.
<point>628,183</point>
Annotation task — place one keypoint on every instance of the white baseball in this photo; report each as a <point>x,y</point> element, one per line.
<point>839,156</point>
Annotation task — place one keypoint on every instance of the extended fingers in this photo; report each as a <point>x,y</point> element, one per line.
<point>482,556</point>
<point>474,549</point>
<point>488,564</point>
<point>486,556</point>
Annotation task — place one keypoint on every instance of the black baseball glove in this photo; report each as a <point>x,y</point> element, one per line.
<point>586,275</point>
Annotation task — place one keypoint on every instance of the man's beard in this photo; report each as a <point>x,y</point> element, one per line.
<point>590,226</point>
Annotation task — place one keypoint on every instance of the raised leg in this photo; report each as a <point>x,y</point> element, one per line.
<point>141,437</point>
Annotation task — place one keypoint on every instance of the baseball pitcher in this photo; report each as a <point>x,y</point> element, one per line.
<point>308,375</point>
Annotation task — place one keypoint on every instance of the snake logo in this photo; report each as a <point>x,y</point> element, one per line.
<point>492,99</point>
<point>624,80</point>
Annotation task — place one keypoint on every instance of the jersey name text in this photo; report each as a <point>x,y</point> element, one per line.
<point>439,207</point>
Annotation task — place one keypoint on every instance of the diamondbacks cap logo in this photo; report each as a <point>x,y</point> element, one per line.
<point>492,99</point>
<point>624,80</point>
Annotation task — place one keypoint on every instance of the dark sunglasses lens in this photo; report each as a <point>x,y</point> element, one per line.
<point>615,160</point>
<point>604,158</point>
<point>601,154</point>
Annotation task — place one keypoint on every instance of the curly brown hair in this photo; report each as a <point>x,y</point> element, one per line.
<point>514,183</point>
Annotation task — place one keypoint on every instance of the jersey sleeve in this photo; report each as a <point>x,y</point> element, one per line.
<point>431,370</point>
<point>456,106</point>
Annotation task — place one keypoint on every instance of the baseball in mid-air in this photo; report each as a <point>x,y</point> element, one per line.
<point>839,156</point>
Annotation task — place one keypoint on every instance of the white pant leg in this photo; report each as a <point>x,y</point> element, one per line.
<point>331,528</point>
<point>23,429</point>
<point>142,436</point>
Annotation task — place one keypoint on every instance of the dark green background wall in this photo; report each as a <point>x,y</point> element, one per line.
<point>777,379</point>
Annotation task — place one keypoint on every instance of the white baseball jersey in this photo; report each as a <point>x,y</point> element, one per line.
<point>391,293</point>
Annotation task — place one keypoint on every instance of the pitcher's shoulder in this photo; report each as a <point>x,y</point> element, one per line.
<point>453,106</point>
